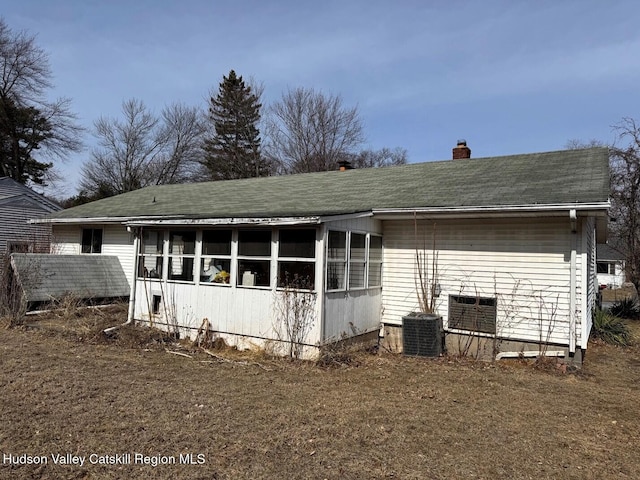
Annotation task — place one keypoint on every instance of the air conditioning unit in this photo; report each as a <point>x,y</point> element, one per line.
<point>422,335</point>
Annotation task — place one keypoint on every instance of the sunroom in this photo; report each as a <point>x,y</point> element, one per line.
<point>237,277</point>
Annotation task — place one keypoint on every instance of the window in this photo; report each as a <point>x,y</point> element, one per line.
<point>606,267</point>
<point>475,314</point>
<point>91,240</point>
<point>375,261</point>
<point>19,247</point>
<point>336,260</point>
<point>357,260</point>
<point>150,259</point>
<point>254,258</point>
<point>215,262</point>
<point>182,250</point>
<point>296,258</point>
<point>155,307</point>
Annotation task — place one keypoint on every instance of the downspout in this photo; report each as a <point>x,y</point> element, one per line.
<point>573,218</point>
<point>132,292</point>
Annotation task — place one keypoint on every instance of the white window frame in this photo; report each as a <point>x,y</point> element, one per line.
<point>363,262</point>
<point>376,263</point>
<point>337,261</point>
<point>307,260</point>
<point>181,256</point>
<point>156,255</point>
<point>257,258</point>
<point>203,258</point>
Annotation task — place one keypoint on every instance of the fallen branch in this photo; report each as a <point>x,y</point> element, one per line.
<point>178,353</point>
<point>236,362</point>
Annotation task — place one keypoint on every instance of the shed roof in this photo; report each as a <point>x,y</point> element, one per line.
<point>562,177</point>
<point>46,277</point>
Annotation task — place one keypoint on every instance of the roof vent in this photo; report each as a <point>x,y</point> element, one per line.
<point>461,150</point>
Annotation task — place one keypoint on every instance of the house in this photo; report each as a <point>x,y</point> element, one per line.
<point>610,267</point>
<point>514,238</point>
<point>18,205</point>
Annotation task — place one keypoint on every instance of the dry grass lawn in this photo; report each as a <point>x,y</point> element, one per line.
<point>65,389</point>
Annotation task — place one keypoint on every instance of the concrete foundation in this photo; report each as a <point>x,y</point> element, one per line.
<point>486,348</point>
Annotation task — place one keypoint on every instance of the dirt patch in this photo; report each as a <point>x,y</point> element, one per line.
<point>65,390</point>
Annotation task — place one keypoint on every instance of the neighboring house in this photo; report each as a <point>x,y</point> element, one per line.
<point>18,205</point>
<point>515,236</point>
<point>610,267</point>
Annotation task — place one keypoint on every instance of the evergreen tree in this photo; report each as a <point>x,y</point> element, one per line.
<point>22,130</point>
<point>32,128</point>
<point>233,150</point>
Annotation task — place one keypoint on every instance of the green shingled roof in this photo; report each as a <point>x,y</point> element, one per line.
<point>562,177</point>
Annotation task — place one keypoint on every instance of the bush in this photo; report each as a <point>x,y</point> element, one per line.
<point>626,308</point>
<point>610,329</point>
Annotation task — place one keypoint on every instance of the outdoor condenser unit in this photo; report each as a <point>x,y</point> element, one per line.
<point>422,335</point>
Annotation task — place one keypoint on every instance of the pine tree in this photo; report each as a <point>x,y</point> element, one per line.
<point>233,151</point>
<point>22,130</point>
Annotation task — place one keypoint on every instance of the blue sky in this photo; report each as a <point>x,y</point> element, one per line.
<point>507,76</point>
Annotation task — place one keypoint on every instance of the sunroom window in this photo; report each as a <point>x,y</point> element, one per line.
<point>357,260</point>
<point>254,258</point>
<point>336,260</point>
<point>215,261</point>
<point>296,258</point>
<point>182,249</point>
<point>375,261</point>
<point>150,259</point>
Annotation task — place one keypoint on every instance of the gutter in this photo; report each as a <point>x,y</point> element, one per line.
<point>573,282</point>
<point>168,221</point>
<point>532,209</point>
<point>271,221</point>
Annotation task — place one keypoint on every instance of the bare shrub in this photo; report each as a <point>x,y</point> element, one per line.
<point>295,314</point>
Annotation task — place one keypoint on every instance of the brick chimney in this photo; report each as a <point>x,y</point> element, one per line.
<point>344,165</point>
<point>461,150</point>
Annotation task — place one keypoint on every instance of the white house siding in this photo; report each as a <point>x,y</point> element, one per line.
<point>525,263</point>
<point>351,313</point>
<point>14,227</point>
<point>116,241</point>
<point>232,312</point>
<point>66,239</point>
<point>588,269</point>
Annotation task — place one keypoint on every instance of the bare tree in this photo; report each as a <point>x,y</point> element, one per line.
<point>143,149</point>
<point>29,123</point>
<point>576,144</point>
<point>309,131</point>
<point>384,157</point>
<point>625,195</point>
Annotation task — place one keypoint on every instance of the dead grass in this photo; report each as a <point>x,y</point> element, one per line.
<point>617,294</point>
<point>66,389</point>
